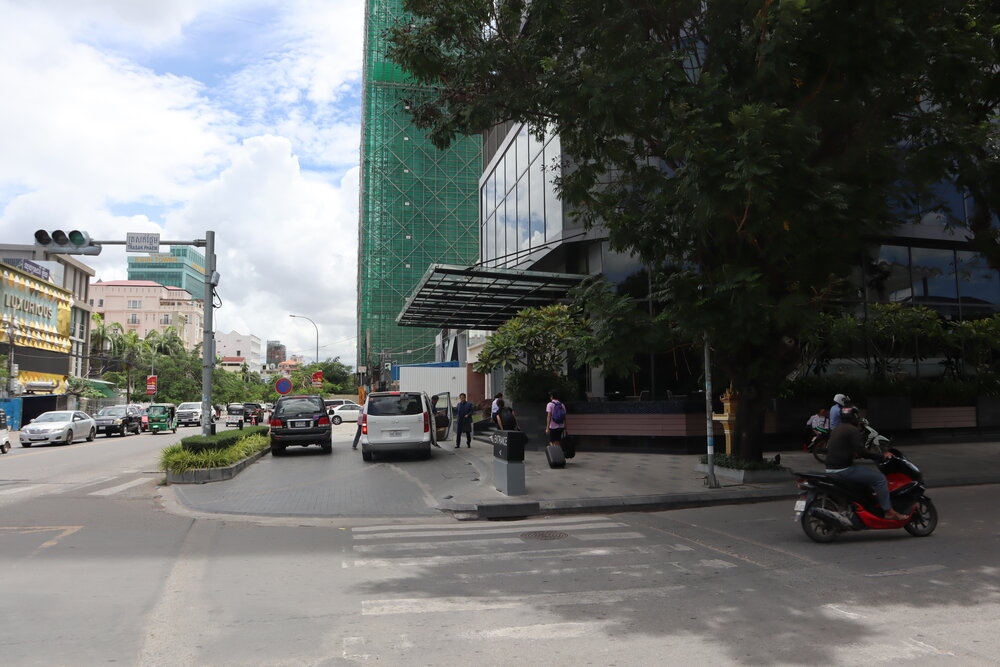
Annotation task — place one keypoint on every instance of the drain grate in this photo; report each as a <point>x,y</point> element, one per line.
<point>544,535</point>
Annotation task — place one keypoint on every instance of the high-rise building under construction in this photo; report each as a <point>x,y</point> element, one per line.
<point>419,205</point>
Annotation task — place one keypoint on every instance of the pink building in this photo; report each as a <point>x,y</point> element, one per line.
<point>143,306</point>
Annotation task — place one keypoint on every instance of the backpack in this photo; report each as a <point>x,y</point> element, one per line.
<point>558,412</point>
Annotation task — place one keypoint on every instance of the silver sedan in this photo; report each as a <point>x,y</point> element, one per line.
<point>62,426</point>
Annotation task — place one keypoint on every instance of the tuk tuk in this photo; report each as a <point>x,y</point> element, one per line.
<point>162,417</point>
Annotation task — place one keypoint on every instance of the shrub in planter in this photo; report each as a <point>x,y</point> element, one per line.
<point>729,461</point>
<point>221,440</point>
<point>177,459</point>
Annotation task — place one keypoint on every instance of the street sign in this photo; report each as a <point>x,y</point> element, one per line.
<point>318,379</point>
<point>142,242</point>
<point>151,384</point>
<point>283,386</point>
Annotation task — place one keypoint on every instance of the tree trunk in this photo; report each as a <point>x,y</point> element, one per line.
<point>748,432</point>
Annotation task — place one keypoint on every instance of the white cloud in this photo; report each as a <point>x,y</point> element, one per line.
<point>117,105</point>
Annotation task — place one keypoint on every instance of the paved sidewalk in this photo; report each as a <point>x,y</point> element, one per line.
<point>610,481</point>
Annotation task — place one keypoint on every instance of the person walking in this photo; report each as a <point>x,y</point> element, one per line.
<point>495,407</point>
<point>555,418</point>
<point>463,419</point>
<point>357,434</point>
<point>506,420</point>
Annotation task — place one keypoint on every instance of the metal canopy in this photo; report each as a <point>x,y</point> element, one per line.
<point>473,297</point>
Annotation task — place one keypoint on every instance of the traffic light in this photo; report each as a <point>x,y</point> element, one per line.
<point>73,242</point>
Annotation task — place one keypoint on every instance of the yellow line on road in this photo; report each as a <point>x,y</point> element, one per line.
<point>64,531</point>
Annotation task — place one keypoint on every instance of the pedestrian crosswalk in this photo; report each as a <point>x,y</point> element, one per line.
<point>543,581</point>
<point>12,491</point>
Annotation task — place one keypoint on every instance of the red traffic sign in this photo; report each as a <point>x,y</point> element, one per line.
<point>283,386</point>
<point>318,379</point>
<point>151,384</point>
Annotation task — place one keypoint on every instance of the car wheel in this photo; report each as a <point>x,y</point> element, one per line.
<point>25,444</point>
<point>337,420</point>
<point>69,437</point>
<point>327,446</point>
<point>123,431</point>
<point>277,450</point>
<point>92,435</point>
<point>366,456</point>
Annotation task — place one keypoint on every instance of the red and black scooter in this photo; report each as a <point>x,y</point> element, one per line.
<point>829,505</point>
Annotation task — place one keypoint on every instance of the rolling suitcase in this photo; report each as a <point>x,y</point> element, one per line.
<point>555,456</point>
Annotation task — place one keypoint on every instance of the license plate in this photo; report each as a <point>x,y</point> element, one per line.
<point>394,434</point>
<point>37,437</point>
<point>800,505</point>
<point>300,424</point>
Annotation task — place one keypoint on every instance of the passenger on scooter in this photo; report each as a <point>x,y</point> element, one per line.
<point>847,443</point>
<point>840,401</point>
<point>817,425</point>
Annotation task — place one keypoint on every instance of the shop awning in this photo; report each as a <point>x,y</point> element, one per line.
<point>473,297</point>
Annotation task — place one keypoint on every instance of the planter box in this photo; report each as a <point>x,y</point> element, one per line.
<point>204,475</point>
<point>748,476</point>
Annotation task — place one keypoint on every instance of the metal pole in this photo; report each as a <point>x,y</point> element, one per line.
<point>317,334</point>
<point>208,337</point>
<point>709,425</point>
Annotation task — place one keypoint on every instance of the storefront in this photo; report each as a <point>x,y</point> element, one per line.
<point>35,322</point>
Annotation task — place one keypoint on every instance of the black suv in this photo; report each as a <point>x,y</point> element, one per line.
<point>300,420</point>
<point>120,419</point>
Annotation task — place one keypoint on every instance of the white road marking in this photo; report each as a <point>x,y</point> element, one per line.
<point>610,536</point>
<point>542,631</point>
<point>418,546</point>
<point>495,529</point>
<point>547,554</point>
<point>121,487</point>
<point>354,648</point>
<point>721,564</point>
<point>459,604</point>
<point>486,527</point>
<point>920,569</point>
<point>19,489</point>
<point>848,614</point>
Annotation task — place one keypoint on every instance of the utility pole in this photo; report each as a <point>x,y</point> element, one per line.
<point>208,337</point>
<point>709,425</point>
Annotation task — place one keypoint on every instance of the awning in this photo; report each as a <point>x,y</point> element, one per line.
<point>474,297</point>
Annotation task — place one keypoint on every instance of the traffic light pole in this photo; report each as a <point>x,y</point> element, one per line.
<point>208,339</point>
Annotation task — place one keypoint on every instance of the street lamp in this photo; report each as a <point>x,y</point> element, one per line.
<point>317,334</point>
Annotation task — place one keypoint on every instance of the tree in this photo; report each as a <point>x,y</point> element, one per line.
<point>743,149</point>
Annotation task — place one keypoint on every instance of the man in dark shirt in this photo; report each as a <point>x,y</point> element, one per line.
<point>845,444</point>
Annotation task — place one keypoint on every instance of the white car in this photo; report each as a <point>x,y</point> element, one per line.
<point>64,426</point>
<point>397,421</point>
<point>189,414</point>
<point>348,412</point>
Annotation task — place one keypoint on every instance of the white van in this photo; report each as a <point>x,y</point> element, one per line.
<point>4,433</point>
<point>398,421</point>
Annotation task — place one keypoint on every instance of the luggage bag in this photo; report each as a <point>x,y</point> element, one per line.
<point>555,456</point>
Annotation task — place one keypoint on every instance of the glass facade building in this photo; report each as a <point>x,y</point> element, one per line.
<point>418,205</point>
<point>182,267</point>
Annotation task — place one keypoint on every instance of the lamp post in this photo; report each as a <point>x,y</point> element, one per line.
<point>317,334</point>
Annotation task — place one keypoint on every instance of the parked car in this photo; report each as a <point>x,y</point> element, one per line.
<point>396,421</point>
<point>189,414</point>
<point>63,426</point>
<point>4,433</point>
<point>118,420</point>
<point>253,413</point>
<point>300,420</point>
<point>348,412</point>
<point>144,412</point>
<point>234,415</point>
<point>332,403</point>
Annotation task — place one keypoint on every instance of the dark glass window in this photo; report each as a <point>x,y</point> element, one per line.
<point>397,404</point>
<point>978,285</point>
<point>933,275</point>
<point>888,274</point>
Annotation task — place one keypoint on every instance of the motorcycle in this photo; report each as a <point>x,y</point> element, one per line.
<point>829,505</point>
<point>875,442</point>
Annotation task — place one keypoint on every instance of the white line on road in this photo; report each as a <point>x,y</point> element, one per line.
<point>546,554</point>
<point>610,536</point>
<point>458,604</point>
<point>19,489</point>
<point>480,526</point>
<point>418,546</point>
<point>461,532</point>
<point>121,487</point>
<point>542,631</point>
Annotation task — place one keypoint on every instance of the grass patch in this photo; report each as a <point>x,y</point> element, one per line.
<point>729,461</point>
<point>178,459</point>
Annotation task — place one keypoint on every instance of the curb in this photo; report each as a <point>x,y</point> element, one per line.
<point>204,475</point>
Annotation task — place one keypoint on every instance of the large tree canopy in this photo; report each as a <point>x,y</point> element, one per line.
<point>748,145</point>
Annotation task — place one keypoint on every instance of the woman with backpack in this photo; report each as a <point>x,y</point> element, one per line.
<point>555,419</point>
<point>506,419</point>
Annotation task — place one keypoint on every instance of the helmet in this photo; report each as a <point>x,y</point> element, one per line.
<point>849,415</point>
<point>841,399</point>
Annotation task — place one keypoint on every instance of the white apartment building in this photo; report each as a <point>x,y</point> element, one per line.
<point>235,344</point>
<point>143,306</point>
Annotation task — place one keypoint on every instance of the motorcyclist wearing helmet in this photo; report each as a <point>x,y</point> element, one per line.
<point>840,401</point>
<point>847,443</point>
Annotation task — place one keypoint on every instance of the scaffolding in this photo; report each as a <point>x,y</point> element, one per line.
<point>419,205</point>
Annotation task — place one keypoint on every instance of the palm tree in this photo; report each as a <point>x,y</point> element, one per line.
<point>103,340</point>
<point>131,352</point>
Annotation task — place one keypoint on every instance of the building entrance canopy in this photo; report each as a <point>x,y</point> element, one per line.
<point>473,297</point>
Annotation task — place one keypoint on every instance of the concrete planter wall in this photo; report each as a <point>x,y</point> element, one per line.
<point>748,476</point>
<point>203,475</point>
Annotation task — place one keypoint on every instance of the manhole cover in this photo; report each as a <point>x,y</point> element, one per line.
<point>544,535</point>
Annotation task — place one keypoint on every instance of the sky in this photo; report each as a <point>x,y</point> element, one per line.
<point>181,116</point>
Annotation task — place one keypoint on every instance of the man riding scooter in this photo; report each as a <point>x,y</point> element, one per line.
<point>847,443</point>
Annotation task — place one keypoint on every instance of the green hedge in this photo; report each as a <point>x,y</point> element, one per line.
<point>221,440</point>
<point>178,459</point>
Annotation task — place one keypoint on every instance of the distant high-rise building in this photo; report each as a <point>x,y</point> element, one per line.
<point>182,267</point>
<point>275,352</point>
<point>419,205</point>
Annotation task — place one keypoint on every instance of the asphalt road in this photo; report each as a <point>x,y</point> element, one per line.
<point>92,578</point>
